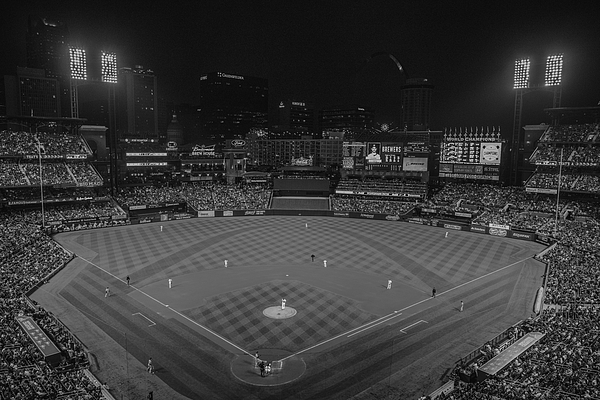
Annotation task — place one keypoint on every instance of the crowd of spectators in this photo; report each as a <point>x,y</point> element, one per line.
<point>571,133</point>
<point>392,187</point>
<point>569,181</point>
<point>18,143</point>
<point>200,196</point>
<point>53,173</point>
<point>12,175</point>
<point>27,257</point>
<point>563,364</point>
<point>376,205</point>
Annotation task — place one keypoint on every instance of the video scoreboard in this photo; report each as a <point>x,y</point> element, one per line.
<point>385,156</point>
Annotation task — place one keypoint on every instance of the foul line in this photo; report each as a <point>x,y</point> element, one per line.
<point>406,308</point>
<point>363,327</point>
<point>488,274</point>
<point>172,309</point>
<point>376,322</point>
<point>380,322</point>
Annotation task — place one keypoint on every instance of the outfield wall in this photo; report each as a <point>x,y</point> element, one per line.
<point>440,223</point>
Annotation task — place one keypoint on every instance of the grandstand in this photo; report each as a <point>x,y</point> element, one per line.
<point>560,365</point>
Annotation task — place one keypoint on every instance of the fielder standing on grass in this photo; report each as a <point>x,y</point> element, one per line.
<point>170,283</point>
<point>389,286</point>
<point>107,292</point>
<point>150,367</point>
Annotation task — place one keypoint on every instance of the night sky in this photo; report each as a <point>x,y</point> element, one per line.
<point>319,51</point>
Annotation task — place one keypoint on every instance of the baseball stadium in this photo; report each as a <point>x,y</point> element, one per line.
<point>397,277</point>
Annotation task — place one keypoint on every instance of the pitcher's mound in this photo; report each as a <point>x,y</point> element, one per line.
<point>277,313</point>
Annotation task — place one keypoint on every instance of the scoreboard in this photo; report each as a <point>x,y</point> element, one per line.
<point>488,153</point>
<point>353,155</point>
<point>385,156</point>
<point>470,160</point>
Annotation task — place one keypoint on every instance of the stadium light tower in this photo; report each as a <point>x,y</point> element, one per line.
<point>109,67</point>
<point>77,62</point>
<point>521,80</point>
<point>554,66</point>
<point>110,77</point>
<point>522,85</point>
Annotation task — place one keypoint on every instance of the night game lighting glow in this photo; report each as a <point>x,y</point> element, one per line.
<point>522,73</point>
<point>554,66</point>
<point>109,67</point>
<point>78,63</point>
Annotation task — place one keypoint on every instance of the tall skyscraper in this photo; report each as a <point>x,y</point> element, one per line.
<point>47,44</point>
<point>230,105</point>
<point>137,109</point>
<point>416,103</point>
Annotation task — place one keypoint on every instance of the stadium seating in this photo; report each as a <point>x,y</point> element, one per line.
<point>563,365</point>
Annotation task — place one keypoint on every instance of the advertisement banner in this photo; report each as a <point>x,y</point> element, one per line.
<point>414,164</point>
<point>478,229</point>
<point>523,235</point>
<point>498,232</point>
<point>205,214</point>
<point>490,153</point>
<point>249,212</point>
<point>340,214</point>
<point>506,227</point>
<point>455,227</point>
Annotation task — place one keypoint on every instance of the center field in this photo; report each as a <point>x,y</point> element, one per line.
<point>213,315</point>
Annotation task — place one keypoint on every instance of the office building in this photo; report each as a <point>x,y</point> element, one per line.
<point>306,151</point>
<point>137,104</point>
<point>47,45</point>
<point>295,118</point>
<point>231,105</point>
<point>415,99</point>
<point>31,93</point>
<point>347,120</point>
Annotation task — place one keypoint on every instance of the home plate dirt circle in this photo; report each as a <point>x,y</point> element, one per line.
<point>276,312</point>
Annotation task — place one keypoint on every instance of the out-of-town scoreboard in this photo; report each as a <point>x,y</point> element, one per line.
<point>470,159</point>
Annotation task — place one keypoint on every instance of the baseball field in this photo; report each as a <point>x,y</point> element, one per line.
<point>343,334</point>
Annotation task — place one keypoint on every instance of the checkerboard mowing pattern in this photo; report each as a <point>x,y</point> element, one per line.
<point>238,316</point>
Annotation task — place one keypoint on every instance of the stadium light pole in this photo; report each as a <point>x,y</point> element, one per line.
<point>553,76</point>
<point>520,85</point>
<point>78,66</point>
<point>110,77</point>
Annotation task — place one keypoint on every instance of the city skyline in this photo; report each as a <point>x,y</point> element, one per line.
<point>321,53</point>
